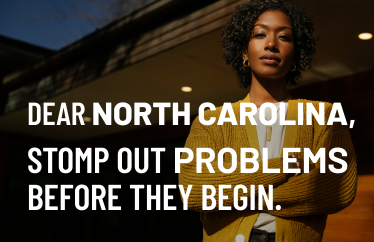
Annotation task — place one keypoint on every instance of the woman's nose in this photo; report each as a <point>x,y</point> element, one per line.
<point>271,43</point>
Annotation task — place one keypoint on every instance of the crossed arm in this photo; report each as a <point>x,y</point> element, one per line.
<point>307,194</point>
<point>320,193</point>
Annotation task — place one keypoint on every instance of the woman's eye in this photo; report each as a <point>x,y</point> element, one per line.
<point>285,37</point>
<point>259,35</point>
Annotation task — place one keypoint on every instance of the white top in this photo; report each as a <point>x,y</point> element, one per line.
<point>266,221</point>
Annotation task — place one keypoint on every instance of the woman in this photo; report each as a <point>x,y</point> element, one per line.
<point>268,43</point>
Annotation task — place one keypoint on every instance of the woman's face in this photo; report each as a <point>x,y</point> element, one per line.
<point>271,47</point>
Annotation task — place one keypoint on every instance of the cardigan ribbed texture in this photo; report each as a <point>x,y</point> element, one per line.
<point>306,200</point>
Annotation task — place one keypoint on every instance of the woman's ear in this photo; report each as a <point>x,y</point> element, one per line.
<point>245,56</point>
<point>294,59</point>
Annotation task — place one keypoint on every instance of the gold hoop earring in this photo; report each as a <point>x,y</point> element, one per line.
<point>245,65</point>
<point>294,69</point>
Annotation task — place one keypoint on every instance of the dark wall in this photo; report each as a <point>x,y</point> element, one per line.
<point>356,94</point>
<point>20,224</point>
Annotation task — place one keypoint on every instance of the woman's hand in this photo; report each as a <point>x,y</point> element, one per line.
<point>300,165</point>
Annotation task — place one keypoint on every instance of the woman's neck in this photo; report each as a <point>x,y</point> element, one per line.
<point>267,90</point>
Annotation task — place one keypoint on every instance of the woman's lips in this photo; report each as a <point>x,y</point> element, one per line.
<point>270,59</point>
<point>270,62</point>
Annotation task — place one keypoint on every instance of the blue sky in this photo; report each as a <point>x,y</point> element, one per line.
<point>16,22</point>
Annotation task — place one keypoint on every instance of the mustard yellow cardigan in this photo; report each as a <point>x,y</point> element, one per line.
<point>305,200</point>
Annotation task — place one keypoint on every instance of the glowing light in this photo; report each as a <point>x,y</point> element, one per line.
<point>365,36</point>
<point>87,119</point>
<point>186,89</point>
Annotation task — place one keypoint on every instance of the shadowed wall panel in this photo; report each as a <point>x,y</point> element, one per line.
<point>356,222</point>
<point>356,94</point>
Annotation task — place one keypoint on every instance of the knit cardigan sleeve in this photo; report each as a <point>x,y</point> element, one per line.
<point>321,193</point>
<point>202,136</point>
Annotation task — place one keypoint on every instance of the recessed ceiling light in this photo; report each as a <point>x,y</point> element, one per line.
<point>87,119</point>
<point>365,36</point>
<point>186,89</point>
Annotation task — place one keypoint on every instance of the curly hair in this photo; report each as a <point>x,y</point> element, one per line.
<point>237,32</point>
